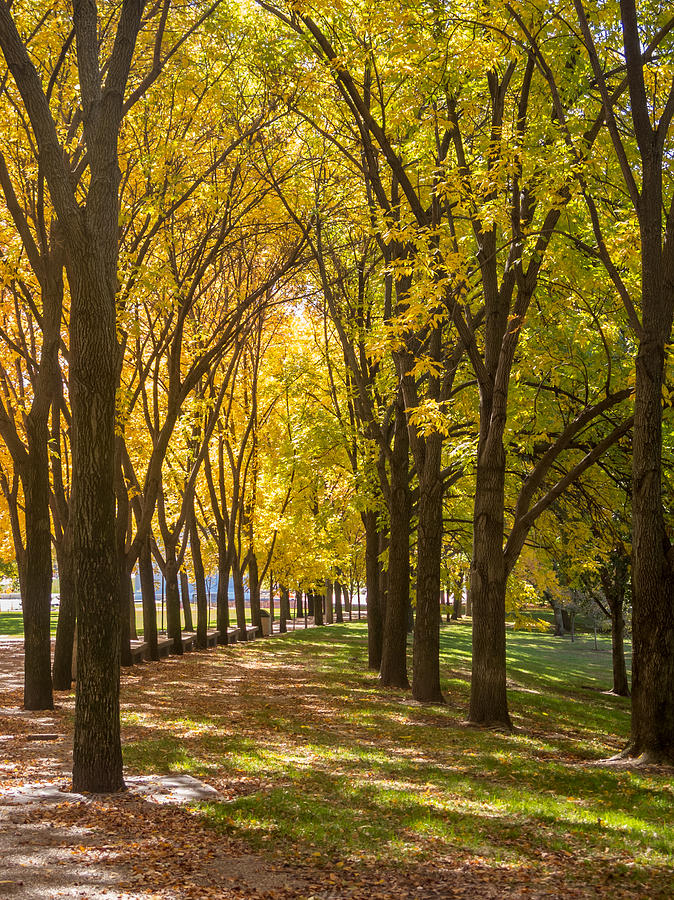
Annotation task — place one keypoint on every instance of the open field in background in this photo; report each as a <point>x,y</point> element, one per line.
<point>11,623</point>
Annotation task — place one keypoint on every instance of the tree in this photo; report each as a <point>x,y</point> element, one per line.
<point>88,219</point>
<point>651,112</point>
<point>635,162</point>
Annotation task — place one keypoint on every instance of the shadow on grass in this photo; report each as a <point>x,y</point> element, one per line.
<point>325,759</point>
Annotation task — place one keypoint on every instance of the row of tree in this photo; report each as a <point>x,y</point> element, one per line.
<point>286,280</point>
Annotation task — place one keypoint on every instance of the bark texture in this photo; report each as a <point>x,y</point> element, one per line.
<point>426,654</point>
<point>199,577</point>
<point>488,700</point>
<point>393,672</point>
<point>185,599</point>
<point>374,619</point>
<point>222,599</point>
<point>62,672</point>
<point>36,598</point>
<point>149,600</point>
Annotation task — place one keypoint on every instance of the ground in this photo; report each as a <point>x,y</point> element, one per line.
<point>330,788</point>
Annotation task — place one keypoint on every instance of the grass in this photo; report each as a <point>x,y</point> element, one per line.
<point>315,760</point>
<point>11,623</point>
<point>583,624</point>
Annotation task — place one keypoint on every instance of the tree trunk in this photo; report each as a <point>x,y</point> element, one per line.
<point>185,599</point>
<point>318,608</point>
<point>383,577</point>
<point>374,621</point>
<point>458,597</point>
<point>652,733</point>
<point>125,657</point>
<point>222,600</point>
<point>329,603</point>
<point>339,615</point>
<point>199,577</point>
<point>239,599</point>
<point>173,601</point>
<point>620,682</point>
<point>149,600</point>
<point>65,629</point>
<point>488,700</point>
<point>393,671</point>
<point>254,588</point>
<point>36,599</point>
<point>97,752</point>
<point>299,611</point>
<point>133,628</point>
<point>426,654</point>
<point>310,603</point>
<point>11,494</point>
<point>284,608</point>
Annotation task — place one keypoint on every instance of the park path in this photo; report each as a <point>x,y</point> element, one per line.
<point>54,844</point>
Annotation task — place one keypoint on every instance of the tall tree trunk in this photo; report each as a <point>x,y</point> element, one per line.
<point>299,610</point>
<point>284,608</point>
<point>133,628</point>
<point>185,599</point>
<point>36,598</point>
<point>652,734</point>
<point>310,603</point>
<point>426,654</point>
<point>393,671</point>
<point>123,576</point>
<point>319,601</point>
<point>173,601</point>
<point>11,494</point>
<point>620,682</point>
<point>374,620</point>
<point>339,615</point>
<point>254,588</point>
<point>222,600</point>
<point>65,629</point>
<point>97,752</point>
<point>458,597</point>
<point>488,700</point>
<point>239,599</point>
<point>383,576</point>
<point>329,603</point>
<point>149,599</point>
<point>199,577</point>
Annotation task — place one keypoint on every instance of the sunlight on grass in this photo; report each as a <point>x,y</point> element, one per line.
<point>313,758</point>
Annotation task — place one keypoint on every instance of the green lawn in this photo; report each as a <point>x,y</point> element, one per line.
<point>11,623</point>
<point>317,761</point>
